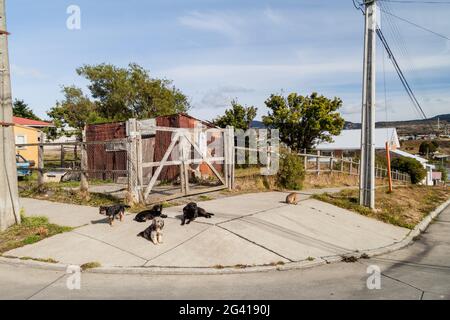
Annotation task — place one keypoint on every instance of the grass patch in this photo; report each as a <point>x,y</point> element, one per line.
<point>404,207</point>
<point>48,260</point>
<point>31,230</point>
<point>56,193</point>
<point>310,259</point>
<point>90,265</point>
<point>205,198</point>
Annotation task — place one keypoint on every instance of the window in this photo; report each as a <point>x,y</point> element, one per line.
<point>21,139</point>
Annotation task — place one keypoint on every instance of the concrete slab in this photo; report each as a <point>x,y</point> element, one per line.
<point>299,232</point>
<point>226,209</point>
<point>216,247</point>
<point>124,235</point>
<point>77,249</point>
<point>60,213</point>
<point>248,229</point>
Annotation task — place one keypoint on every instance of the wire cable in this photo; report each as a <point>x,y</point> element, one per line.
<point>415,24</point>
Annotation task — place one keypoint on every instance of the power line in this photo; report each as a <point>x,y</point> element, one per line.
<point>416,2</point>
<point>403,80</point>
<point>415,24</point>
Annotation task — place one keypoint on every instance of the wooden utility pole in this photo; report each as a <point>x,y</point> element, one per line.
<point>367,172</point>
<point>9,198</point>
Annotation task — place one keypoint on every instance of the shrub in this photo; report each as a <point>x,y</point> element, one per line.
<point>428,147</point>
<point>411,166</point>
<point>291,172</point>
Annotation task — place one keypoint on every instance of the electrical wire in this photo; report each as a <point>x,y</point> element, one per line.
<point>415,2</point>
<point>415,24</point>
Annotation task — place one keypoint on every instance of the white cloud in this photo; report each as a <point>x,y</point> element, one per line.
<point>213,21</point>
<point>26,72</point>
<point>273,16</point>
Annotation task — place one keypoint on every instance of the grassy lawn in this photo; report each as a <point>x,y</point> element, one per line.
<point>404,207</point>
<point>31,230</point>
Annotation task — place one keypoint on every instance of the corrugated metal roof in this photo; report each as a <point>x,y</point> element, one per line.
<point>351,140</point>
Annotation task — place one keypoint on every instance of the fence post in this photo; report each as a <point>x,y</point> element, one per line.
<point>331,164</point>
<point>63,154</point>
<point>84,186</point>
<point>351,166</point>
<point>342,163</point>
<point>306,160</point>
<point>132,161</point>
<point>318,162</point>
<point>41,161</point>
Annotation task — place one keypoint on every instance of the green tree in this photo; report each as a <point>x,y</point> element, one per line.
<point>21,109</point>
<point>73,112</point>
<point>304,120</point>
<point>238,116</point>
<point>123,93</point>
<point>411,166</point>
<point>428,147</point>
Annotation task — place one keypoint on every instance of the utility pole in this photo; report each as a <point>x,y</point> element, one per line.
<point>9,198</point>
<point>367,173</point>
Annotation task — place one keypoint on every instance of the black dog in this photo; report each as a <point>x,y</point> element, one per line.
<point>146,215</point>
<point>191,212</point>
<point>112,212</point>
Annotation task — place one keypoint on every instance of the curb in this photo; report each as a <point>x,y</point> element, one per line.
<point>304,264</point>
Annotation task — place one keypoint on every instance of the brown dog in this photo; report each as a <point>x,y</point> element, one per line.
<point>293,198</point>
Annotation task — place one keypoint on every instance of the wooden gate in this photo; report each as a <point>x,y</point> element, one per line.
<point>188,148</point>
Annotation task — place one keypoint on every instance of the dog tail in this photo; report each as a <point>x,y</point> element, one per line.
<point>211,214</point>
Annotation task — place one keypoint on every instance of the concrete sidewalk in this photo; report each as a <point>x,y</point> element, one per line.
<point>251,229</point>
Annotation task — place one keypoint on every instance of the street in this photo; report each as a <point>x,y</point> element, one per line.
<point>420,271</point>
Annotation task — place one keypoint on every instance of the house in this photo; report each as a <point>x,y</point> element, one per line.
<point>154,146</point>
<point>350,141</point>
<point>28,131</point>
<point>428,180</point>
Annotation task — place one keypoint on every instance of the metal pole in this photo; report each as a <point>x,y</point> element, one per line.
<point>9,197</point>
<point>367,172</point>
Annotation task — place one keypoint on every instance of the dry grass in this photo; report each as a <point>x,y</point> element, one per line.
<point>56,193</point>
<point>90,265</point>
<point>405,207</point>
<point>31,230</point>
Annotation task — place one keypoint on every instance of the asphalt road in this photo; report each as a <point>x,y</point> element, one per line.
<point>420,271</point>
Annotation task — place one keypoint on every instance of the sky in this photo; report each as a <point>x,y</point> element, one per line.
<point>219,50</point>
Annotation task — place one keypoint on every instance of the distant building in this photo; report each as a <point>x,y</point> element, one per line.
<point>428,180</point>
<point>350,141</point>
<point>28,131</point>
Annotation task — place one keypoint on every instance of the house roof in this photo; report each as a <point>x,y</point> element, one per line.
<point>423,161</point>
<point>409,155</point>
<point>31,123</point>
<point>351,140</point>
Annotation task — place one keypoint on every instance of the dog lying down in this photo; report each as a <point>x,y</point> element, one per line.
<point>154,232</point>
<point>113,212</point>
<point>191,212</point>
<point>146,215</point>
